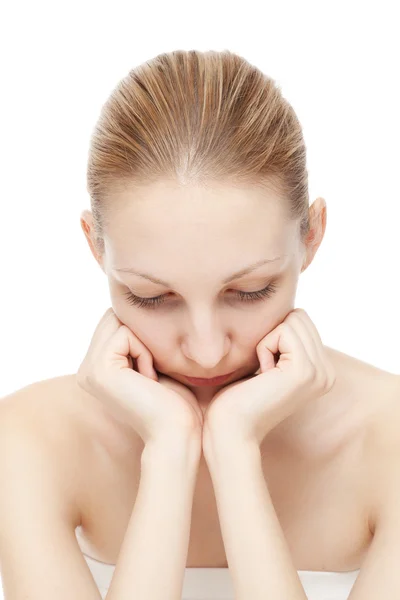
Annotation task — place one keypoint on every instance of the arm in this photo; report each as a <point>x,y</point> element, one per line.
<point>40,558</point>
<point>257,553</point>
<point>39,510</point>
<point>152,560</point>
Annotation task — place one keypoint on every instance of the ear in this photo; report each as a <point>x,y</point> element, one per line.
<point>317,217</point>
<point>86,220</point>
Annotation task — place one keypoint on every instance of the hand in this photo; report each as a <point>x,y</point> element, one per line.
<point>158,409</point>
<point>248,409</point>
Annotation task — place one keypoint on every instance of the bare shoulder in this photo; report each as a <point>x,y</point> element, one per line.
<point>380,393</point>
<point>47,407</point>
<point>43,416</point>
<point>383,445</point>
<point>368,393</point>
<point>72,422</point>
<point>384,427</point>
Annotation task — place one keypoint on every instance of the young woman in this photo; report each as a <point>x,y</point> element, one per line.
<point>136,476</point>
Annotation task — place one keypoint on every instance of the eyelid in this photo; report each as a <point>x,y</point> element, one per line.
<point>247,297</point>
<point>270,284</point>
<point>253,280</point>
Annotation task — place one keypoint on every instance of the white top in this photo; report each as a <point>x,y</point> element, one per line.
<point>216,583</point>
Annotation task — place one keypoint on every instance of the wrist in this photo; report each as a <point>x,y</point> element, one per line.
<point>173,449</point>
<point>226,448</point>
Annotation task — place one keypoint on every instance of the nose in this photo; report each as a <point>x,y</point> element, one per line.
<point>206,345</point>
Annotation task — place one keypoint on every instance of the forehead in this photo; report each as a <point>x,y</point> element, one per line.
<point>173,217</point>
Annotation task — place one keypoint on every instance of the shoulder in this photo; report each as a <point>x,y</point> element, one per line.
<point>37,423</point>
<point>379,575</point>
<point>384,422</point>
<point>370,394</point>
<point>47,407</point>
<point>71,422</point>
<point>382,448</point>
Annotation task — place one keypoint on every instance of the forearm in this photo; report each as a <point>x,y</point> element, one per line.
<point>152,560</point>
<point>257,552</point>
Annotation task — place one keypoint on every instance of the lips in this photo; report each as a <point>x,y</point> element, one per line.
<point>207,378</point>
<point>212,381</point>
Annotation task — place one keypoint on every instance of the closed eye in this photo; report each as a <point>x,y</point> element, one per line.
<point>242,296</point>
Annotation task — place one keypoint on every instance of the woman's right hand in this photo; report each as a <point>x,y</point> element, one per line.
<point>157,408</point>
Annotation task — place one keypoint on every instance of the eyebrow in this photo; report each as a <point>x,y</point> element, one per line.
<point>236,275</point>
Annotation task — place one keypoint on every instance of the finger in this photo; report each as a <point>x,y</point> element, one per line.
<point>106,327</point>
<point>140,354</point>
<point>324,361</point>
<point>285,340</point>
<point>302,326</point>
<point>304,316</point>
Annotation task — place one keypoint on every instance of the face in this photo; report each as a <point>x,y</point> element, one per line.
<point>202,321</point>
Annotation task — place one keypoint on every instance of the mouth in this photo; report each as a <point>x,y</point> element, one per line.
<point>212,381</point>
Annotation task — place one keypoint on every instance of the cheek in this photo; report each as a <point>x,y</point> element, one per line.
<point>151,333</point>
<point>147,327</point>
<point>257,325</point>
<point>130,316</point>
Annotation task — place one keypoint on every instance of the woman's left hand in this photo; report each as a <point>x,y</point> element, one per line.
<point>249,408</point>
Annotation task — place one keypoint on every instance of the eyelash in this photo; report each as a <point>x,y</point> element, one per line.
<point>243,296</point>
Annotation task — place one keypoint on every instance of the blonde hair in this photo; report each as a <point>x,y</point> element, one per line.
<point>196,117</point>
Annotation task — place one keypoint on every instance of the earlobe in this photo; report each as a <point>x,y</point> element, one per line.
<point>305,265</point>
<point>317,230</point>
<point>85,227</point>
<point>323,219</point>
<point>307,251</point>
<point>86,223</point>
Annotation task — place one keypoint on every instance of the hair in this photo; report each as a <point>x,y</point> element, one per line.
<point>196,117</point>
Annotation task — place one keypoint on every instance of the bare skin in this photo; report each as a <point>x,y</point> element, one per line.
<point>319,464</point>
<point>321,476</point>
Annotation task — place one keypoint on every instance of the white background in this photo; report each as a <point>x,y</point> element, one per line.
<point>338,65</point>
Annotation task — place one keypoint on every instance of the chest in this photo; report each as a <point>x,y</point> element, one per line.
<point>322,507</point>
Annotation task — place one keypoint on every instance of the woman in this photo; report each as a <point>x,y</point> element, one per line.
<point>287,468</point>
